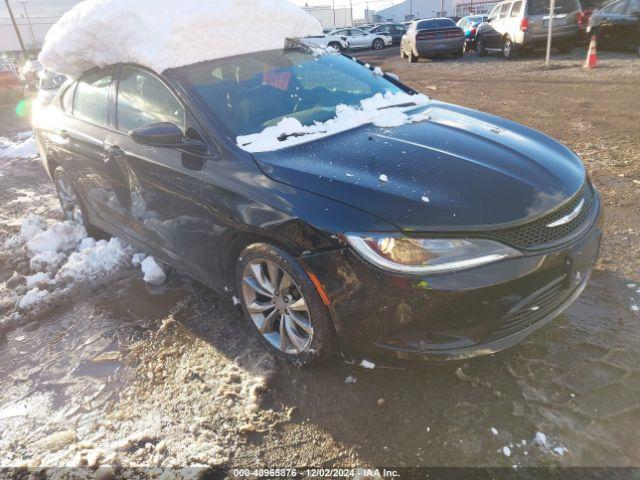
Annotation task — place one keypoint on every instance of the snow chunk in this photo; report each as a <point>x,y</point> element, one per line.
<point>153,273</point>
<point>32,298</point>
<point>350,380</point>
<point>60,237</point>
<point>541,440</point>
<point>94,261</point>
<point>367,364</point>
<point>426,199</point>
<point>38,280</point>
<point>137,259</point>
<point>378,110</point>
<point>494,431</point>
<point>24,147</point>
<point>169,33</point>
<point>383,178</point>
<point>29,228</point>
<point>506,451</point>
<point>378,71</point>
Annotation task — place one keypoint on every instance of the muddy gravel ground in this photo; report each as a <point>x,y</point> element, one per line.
<point>115,372</point>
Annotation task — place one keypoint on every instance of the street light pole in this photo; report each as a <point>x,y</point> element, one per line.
<point>351,7</point>
<point>333,7</point>
<point>15,26</point>
<point>26,13</point>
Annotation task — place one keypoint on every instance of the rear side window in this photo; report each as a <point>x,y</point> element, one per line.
<point>541,7</point>
<point>144,100</point>
<point>517,8</point>
<point>504,10</point>
<point>91,101</point>
<point>633,7</point>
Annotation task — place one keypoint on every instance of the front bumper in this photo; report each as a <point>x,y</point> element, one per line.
<point>453,316</point>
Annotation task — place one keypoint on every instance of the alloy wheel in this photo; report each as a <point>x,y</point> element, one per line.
<point>277,306</point>
<point>378,44</point>
<point>507,48</point>
<point>68,200</point>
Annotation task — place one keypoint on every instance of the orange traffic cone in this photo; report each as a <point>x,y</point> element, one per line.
<point>592,56</point>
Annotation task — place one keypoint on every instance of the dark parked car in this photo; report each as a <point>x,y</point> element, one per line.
<point>617,25</point>
<point>393,30</point>
<point>428,38</point>
<point>447,237</point>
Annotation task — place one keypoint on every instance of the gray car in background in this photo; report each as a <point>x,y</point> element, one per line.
<point>515,25</point>
<point>360,39</point>
<point>432,37</point>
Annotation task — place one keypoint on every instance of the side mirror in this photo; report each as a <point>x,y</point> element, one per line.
<point>166,135</point>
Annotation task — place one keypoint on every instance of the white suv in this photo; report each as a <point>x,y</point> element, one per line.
<point>524,24</point>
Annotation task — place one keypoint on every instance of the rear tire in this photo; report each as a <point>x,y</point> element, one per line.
<point>508,48</point>
<point>72,205</point>
<point>412,57</point>
<point>283,307</point>
<point>481,47</point>
<point>337,46</point>
<point>377,44</point>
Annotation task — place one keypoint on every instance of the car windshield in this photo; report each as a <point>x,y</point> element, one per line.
<point>541,7</point>
<point>249,93</point>
<point>477,20</point>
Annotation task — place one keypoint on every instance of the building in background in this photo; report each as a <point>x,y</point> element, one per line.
<point>413,9</point>
<point>470,7</point>
<point>329,17</point>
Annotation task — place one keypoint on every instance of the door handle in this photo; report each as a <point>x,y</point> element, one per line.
<point>113,153</point>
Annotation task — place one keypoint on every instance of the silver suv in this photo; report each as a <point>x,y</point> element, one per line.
<point>523,24</point>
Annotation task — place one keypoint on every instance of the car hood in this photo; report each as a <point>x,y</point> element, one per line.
<point>459,170</point>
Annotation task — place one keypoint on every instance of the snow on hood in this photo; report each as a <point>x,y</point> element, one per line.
<point>385,111</point>
<point>169,33</point>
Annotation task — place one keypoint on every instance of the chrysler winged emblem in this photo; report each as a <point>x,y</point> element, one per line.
<point>568,218</point>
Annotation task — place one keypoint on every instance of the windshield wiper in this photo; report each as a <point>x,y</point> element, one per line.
<point>287,136</point>
<point>400,105</point>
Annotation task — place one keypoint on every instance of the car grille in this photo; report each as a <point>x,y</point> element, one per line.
<point>534,308</point>
<point>536,234</point>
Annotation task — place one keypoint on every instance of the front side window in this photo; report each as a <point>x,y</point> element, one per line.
<point>249,93</point>
<point>541,7</point>
<point>91,101</point>
<point>143,100</point>
<point>494,12</point>
<point>633,7</point>
<point>357,33</point>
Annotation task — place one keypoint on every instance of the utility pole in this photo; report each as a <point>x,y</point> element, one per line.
<point>410,9</point>
<point>552,12</point>
<point>15,27</point>
<point>334,14</point>
<point>26,13</point>
<point>351,7</point>
<point>442,8</point>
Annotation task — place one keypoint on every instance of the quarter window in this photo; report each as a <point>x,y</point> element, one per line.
<point>504,10</point>
<point>144,100</point>
<point>91,101</point>
<point>517,7</point>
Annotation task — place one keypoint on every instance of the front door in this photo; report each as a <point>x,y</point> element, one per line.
<point>164,184</point>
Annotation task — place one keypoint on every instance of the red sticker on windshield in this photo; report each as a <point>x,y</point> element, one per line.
<point>279,80</point>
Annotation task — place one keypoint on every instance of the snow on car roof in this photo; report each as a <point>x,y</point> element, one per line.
<point>169,33</point>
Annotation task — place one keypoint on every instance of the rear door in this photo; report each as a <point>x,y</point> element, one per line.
<point>164,183</point>
<point>490,34</point>
<point>80,145</point>
<point>359,39</point>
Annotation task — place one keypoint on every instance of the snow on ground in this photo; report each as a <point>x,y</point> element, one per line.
<point>22,146</point>
<point>59,255</point>
<point>169,33</point>
<point>379,110</point>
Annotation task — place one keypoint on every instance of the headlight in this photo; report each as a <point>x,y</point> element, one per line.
<point>427,256</point>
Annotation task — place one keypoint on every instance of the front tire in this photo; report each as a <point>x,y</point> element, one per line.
<point>73,208</point>
<point>337,46</point>
<point>283,306</point>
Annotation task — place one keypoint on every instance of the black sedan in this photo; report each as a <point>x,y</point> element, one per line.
<point>394,30</point>
<point>452,235</point>
<point>617,25</point>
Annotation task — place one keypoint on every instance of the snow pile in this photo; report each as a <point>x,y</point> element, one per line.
<point>380,110</point>
<point>169,33</point>
<point>23,146</point>
<point>94,259</point>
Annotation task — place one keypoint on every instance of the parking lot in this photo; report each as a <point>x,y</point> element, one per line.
<point>115,372</point>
